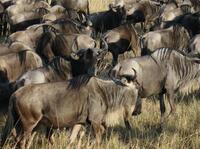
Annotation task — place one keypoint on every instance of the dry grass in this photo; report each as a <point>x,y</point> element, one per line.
<point>182,131</point>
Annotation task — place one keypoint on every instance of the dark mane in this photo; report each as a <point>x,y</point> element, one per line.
<point>61,66</point>
<point>78,82</point>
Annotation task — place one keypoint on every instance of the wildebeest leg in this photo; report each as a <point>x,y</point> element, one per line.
<point>30,140</point>
<point>170,98</point>
<point>82,133</point>
<point>115,59</point>
<point>127,116</point>
<point>162,109</point>
<point>138,106</point>
<point>74,133</point>
<point>49,135</point>
<point>98,130</point>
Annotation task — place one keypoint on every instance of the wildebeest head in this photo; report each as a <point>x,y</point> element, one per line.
<point>126,73</point>
<point>118,10</point>
<point>89,58</point>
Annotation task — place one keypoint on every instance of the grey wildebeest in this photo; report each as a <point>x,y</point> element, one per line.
<point>175,37</point>
<point>76,102</point>
<point>51,44</point>
<point>14,65</point>
<point>194,46</point>
<point>170,71</point>
<point>121,39</point>
<point>63,68</point>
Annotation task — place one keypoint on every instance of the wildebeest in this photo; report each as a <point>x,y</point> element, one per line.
<point>121,39</point>
<point>63,68</point>
<point>175,37</point>
<point>21,16</point>
<point>67,26</point>
<point>14,65</point>
<point>51,44</point>
<point>189,20</point>
<point>28,37</point>
<point>69,103</point>
<point>170,71</point>
<point>143,11</point>
<point>106,20</point>
<point>194,46</point>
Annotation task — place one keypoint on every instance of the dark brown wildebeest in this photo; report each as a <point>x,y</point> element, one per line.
<point>107,20</point>
<point>60,69</point>
<point>69,104</point>
<point>121,39</point>
<point>175,37</point>
<point>51,44</point>
<point>14,65</point>
<point>189,20</point>
<point>170,71</point>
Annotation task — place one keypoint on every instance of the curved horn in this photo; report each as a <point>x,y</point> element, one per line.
<point>104,45</point>
<point>135,73</point>
<point>74,56</point>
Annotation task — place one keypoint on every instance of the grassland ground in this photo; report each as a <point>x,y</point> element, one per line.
<point>181,131</point>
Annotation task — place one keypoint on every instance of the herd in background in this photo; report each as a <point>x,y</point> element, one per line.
<point>55,52</point>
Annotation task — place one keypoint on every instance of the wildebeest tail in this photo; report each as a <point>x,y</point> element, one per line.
<point>10,122</point>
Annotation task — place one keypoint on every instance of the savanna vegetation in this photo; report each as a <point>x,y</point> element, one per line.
<point>181,131</point>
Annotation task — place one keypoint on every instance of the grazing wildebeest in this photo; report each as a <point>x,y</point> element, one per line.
<point>175,37</point>
<point>170,71</point>
<point>121,39</point>
<point>61,68</point>
<point>51,44</point>
<point>107,20</point>
<point>14,65</point>
<point>76,102</point>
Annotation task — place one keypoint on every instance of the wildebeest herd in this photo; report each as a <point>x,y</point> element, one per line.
<point>52,56</point>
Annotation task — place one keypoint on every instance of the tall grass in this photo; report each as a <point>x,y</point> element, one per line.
<point>181,131</point>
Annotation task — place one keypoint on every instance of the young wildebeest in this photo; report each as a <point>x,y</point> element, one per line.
<point>121,39</point>
<point>62,69</point>
<point>66,104</point>
<point>170,71</point>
